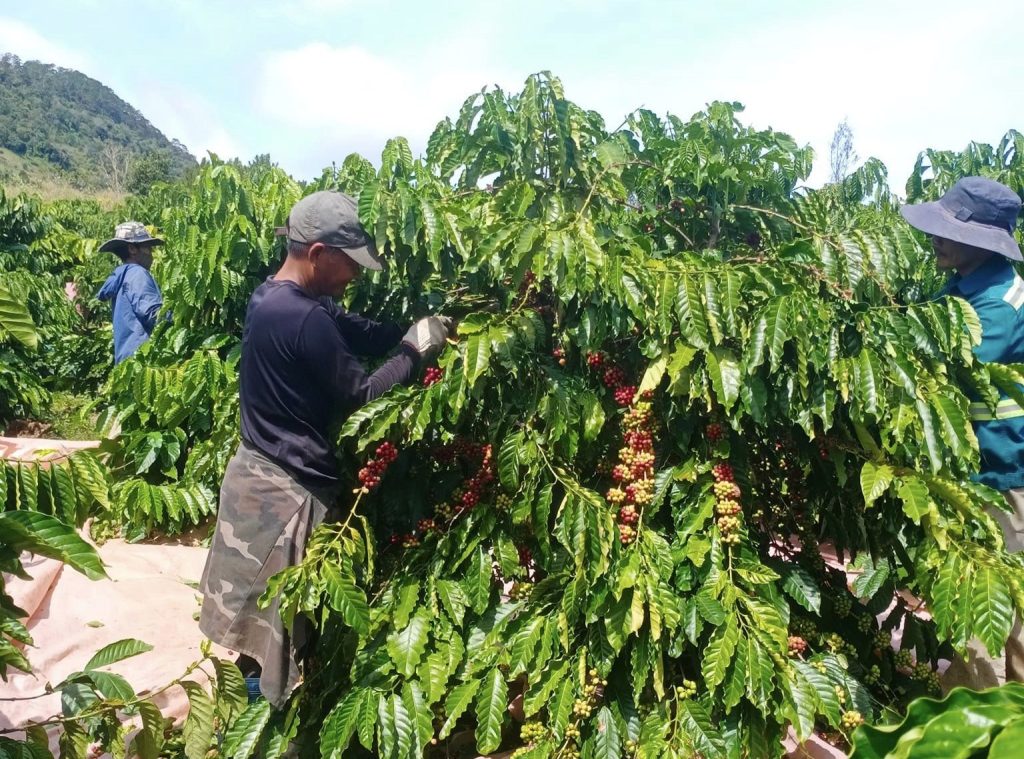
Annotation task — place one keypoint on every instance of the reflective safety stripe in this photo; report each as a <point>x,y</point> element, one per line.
<point>1005,409</point>
<point>1015,295</point>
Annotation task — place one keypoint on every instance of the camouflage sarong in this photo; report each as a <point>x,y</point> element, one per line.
<point>264,521</point>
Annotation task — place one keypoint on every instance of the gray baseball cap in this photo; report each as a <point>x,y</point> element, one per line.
<point>975,211</point>
<point>332,218</point>
<point>129,233</point>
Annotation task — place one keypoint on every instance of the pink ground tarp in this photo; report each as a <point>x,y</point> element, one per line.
<point>150,596</point>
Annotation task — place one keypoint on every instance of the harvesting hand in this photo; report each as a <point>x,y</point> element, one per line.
<point>428,336</point>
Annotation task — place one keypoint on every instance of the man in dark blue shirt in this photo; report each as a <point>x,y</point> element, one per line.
<point>298,379</point>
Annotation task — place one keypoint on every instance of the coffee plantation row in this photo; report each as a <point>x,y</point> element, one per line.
<point>686,391</point>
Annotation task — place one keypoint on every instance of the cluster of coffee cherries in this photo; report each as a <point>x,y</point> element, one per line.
<point>408,540</point>
<point>797,645</point>
<point>852,719</point>
<point>727,506</point>
<point>687,690</point>
<point>571,748</point>
<point>839,645</point>
<point>923,673</point>
<point>468,495</point>
<point>414,538</point>
<point>873,676</point>
<point>882,640</point>
<point>903,659</point>
<point>714,432</point>
<point>464,498</point>
<point>634,472</point>
<point>593,692</point>
<point>779,483</point>
<point>624,394</point>
<point>532,732</point>
<point>483,477</point>
<point>595,359</point>
<point>520,590</point>
<point>559,355</point>
<point>369,475</point>
<point>432,375</point>
<point>613,377</point>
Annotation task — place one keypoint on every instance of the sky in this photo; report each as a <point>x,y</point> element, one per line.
<point>310,81</point>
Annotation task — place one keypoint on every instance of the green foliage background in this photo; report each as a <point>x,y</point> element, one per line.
<point>686,252</point>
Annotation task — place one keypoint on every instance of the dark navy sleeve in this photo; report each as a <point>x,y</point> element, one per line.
<point>332,362</point>
<point>365,336</point>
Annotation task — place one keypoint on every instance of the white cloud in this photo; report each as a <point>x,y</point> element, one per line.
<point>29,45</point>
<point>182,114</point>
<point>337,100</point>
<point>905,80</point>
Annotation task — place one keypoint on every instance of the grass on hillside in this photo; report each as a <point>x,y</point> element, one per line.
<point>35,176</point>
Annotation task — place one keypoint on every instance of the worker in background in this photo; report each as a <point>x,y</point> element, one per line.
<point>131,287</point>
<point>971,228</point>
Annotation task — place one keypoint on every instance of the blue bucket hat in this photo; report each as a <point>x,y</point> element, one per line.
<point>975,211</point>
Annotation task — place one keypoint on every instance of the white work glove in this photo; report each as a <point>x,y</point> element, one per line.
<point>428,336</point>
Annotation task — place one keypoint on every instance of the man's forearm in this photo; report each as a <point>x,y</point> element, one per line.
<point>397,370</point>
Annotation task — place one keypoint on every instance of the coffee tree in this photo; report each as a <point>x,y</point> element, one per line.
<point>683,393</point>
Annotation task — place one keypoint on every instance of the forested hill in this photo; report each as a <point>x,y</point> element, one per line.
<point>59,125</point>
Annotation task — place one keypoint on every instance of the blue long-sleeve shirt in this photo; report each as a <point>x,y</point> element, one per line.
<point>996,293</point>
<point>137,301</point>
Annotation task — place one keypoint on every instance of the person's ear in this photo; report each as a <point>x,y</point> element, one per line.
<point>315,251</point>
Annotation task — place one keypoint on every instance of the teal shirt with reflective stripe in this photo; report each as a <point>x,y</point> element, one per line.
<point>996,293</point>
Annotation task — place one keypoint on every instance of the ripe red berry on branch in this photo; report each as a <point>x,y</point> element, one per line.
<point>613,377</point>
<point>625,394</point>
<point>369,475</point>
<point>714,432</point>
<point>722,472</point>
<point>525,556</point>
<point>432,375</point>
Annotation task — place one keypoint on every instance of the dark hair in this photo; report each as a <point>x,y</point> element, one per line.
<point>297,249</point>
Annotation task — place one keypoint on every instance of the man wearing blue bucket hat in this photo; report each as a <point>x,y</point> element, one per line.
<point>131,287</point>
<point>971,228</point>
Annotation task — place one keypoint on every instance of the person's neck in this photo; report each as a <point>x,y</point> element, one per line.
<point>293,271</point>
<point>973,265</point>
